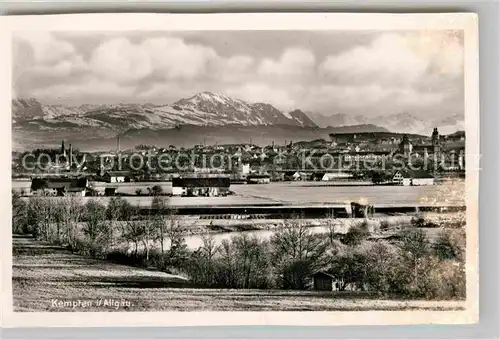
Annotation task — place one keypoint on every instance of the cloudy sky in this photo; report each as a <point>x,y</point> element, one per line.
<point>370,73</point>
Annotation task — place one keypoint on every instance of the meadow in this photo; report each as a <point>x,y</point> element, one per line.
<point>45,275</point>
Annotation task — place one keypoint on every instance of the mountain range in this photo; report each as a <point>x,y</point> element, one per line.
<point>204,115</point>
<point>399,122</point>
<point>204,108</point>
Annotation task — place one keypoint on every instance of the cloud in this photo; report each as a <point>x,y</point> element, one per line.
<point>89,86</point>
<point>263,93</point>
<point>119,59</point>
<point>389,59</point>
<point>233,69</point>
<point>45,47</point>
<point>369,97</point>
<point>166,92</point>
<point>61,69</point>
<point>408,71</point>
<point>167,57</point>
<point>397,59</point>
<point>293,62</point>
<point>443,50</point>
<point>172,58</point>
<point>41,54</point>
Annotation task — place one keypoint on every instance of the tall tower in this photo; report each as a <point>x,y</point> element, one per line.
<point>63,149</point>
<point>405,146</point>
<point>436,148</point>
<point>436,144</point>
<point>70,156</point>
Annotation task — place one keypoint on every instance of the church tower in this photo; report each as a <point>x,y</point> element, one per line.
<point>406,146</point>
<point>436,144</point>
<point>436,148</point>
<point>63,149</point>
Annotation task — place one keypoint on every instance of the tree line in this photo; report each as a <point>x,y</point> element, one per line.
<point>409,265</point>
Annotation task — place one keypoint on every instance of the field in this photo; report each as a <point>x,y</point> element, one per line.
<point>301,193</point>
<point>48,278</point>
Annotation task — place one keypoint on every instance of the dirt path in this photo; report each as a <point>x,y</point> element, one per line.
<point>48,278</point>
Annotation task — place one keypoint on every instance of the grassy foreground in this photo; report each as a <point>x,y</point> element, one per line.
<point>48,278</point>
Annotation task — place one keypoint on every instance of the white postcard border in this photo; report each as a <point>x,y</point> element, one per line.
<point>257,21</point>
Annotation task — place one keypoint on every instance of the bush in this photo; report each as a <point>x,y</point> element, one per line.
<point>119,209</point>
<point>384,225</point>
<point>450,244</point>
<point>356,234</point>
<point>421,222</point>
<point>156,190</point>
<point>414,243</point>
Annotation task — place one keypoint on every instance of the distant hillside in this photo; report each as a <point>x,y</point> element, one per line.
<point>190,135</point>
<point>400,122</point>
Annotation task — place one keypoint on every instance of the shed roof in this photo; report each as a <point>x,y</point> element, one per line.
<point>322,273</point>
<point>69,184</point>
<point>201,182</point>
<point>250,176</point>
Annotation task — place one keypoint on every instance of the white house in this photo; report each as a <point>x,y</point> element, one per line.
<point>245,168</point>
<point>116,176</point>
<point>332,176</point>
<point>258,179</point>
<point>413,178</point>
<point>201,186</point>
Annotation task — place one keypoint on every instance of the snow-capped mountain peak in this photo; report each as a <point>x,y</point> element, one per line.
<point>204,108</point>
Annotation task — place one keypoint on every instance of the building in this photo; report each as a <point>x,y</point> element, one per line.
<point>317,176</point>
<point>59,186</point>
<point>332,176</point>
<point>300,176</point>
<point>245,169</point>
<point>201,186</point>
<point>258,179</point>
<point>436,144</point>
<point>116,176</point>
<point>322,281</point>
<point>413,177</point>
<point>405,147</point>
<point>110,191</point>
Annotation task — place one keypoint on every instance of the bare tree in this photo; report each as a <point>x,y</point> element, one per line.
<point>97,230</point>
<point>209,248</point>
<point>71,212</point>
<point>132,233</point>
<point>158,206</point>
<point>147,231</point>
<point>19,212</point>
<point>39,216</point>
<point>116,208</point>
<point>251,261</point>
<point>297,253</point>
<point>331,226</point>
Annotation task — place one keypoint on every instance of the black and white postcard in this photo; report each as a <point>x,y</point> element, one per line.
<point>218,165</point>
